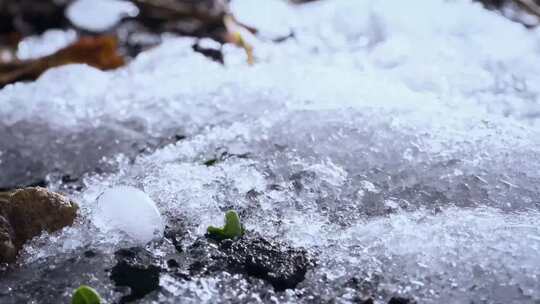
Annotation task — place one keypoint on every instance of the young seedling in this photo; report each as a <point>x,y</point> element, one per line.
<point>232,229</point>
<point>85,295</point>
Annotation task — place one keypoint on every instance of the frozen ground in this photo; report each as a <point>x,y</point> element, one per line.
<point>397,142</point>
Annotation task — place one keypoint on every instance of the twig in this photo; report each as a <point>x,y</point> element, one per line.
<point>99,52</point>
<point>168,9</point>
<point>530,6</point>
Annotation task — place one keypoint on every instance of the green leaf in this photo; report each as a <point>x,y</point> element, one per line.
<point>232,229</point>
<point>211,162</point>
<point>85,295</point>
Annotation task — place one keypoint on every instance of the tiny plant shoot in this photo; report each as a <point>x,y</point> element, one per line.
<point>85,295</point>
<point>232,229</point>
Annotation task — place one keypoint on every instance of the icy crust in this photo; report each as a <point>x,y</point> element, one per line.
<point>387,210</point>
<point>398,143</point>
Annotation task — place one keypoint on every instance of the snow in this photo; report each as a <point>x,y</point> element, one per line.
<point>46,44</point>
<point>398,141</point>
<point>276,20</point>
<point>99,15</point>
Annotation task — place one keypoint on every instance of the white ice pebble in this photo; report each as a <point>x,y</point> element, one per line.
<point>130,210</point>
<point>99,15</point>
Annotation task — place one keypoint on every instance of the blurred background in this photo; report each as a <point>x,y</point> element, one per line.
<point>108,33</point>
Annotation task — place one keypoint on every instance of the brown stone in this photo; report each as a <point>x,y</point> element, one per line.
<point>26,213</point>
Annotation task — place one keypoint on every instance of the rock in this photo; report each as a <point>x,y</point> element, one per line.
<point>26,213</point>
<point>401,300</point>
<point>34,210</point>
<point>8,252</point>
<point>280,265</point>
<point>175,232</point>
<point>136,270</point>
<point>4,197</point>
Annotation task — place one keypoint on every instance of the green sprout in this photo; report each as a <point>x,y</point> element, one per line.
<point>85,295</point>
<point>232,229</point>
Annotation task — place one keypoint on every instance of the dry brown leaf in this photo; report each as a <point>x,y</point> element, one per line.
<point>99,52</point>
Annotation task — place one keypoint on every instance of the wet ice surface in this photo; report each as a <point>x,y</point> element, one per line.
<point>401,151</point>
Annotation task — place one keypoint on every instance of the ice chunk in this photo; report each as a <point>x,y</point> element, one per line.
<point>129,210</point>
<point>99,15</point>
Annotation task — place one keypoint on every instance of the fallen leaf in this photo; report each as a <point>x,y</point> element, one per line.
<point>99,52</point>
